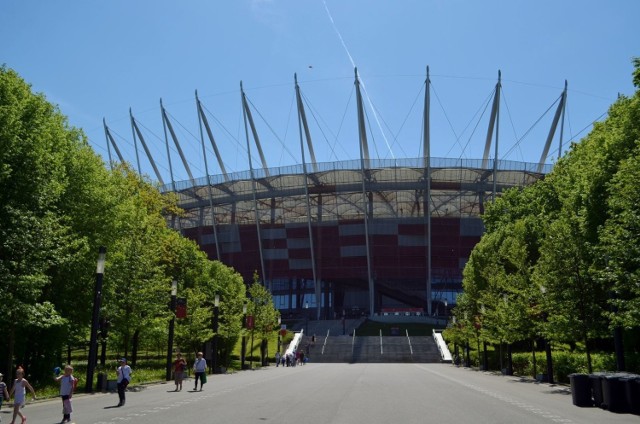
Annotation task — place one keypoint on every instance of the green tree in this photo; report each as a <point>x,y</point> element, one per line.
<point>621,245</point>
<point>136,285</point>
<point>265,315</point>
<point>36,144</point>
<point>620,235</point>
<point>233,296</point>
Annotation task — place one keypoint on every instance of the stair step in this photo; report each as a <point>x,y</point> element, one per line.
<point>367,350</point>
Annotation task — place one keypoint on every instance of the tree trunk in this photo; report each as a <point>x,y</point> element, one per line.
<point>485,359</point>
<point>11,344</point>
<point>509,360</point>
<point>468,361</point>
<point>103,353</point>
<point>263,352</point>
<point>478,351</point>
<point>618,338</point>
<point>533,352</point>
<point>125,343</point>
<point>588,351</point>
<point>547,348</point>
<point>134,347</point>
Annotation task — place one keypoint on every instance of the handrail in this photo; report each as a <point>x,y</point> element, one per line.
<point>409,340</point>
<point>445,354</point>
<point>381,351</point>
<point>293,346</point>
<point>353,341</point>
<point>325,341</point>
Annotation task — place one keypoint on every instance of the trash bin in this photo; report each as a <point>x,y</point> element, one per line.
<point>614,396</point>
<point>596,388</point>
<point>632,391</point>
<point>101,383</point>
<point>580,390</point>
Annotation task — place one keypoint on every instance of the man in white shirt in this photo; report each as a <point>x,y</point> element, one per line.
<point>200,369</point>
<point>124,377</point>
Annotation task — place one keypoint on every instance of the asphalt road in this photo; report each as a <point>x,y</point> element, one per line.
<point>337,394</point>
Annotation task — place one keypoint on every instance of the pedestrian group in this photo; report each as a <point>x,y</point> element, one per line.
<point>68,384</point>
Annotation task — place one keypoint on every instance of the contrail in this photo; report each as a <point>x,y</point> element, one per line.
<point>375,115</point>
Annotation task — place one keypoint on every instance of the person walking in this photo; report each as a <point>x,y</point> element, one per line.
<point>4,393</point>
<point>277,359</point>
<point>200,370</point>
<point>67,383</point>
<point>19,391</point>
<point>124,377</point>
<point>179,367</point>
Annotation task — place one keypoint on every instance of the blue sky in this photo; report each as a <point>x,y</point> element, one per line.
<point>97,59</point>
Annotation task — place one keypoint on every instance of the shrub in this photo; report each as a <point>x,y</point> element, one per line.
<point>565,363</point>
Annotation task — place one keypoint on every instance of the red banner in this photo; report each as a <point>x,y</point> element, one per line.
<point>250,322</point>
<point>181,307</point>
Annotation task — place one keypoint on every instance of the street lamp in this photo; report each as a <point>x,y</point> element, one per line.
<point>485,362</point>
<point>214,360</point>
<point>456,358</point>
<point>446,303</point>
<point>97,299</point>
<point>505,297</point>
<point>243,348</point>
<point>306,317</point>
<point>279,330</point>
<point>172,323</point>
<point>468,359</point>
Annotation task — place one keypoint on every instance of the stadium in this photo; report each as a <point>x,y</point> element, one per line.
<point>346,238</point>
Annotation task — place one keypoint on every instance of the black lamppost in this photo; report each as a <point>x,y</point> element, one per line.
<point>468,358</point>
<point>214,359</point>
<point>243,348</point>
<point>509,353</point>
<point>306,318</point>
<point>446,304</point>
<point>172,323</point>
<point>279,330</point>
<point>456,358</point>
<point>251,353</point>
<point>485,363</point>
<point>618,336</point>
<point>103,330</point>
<point>97,300</point>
